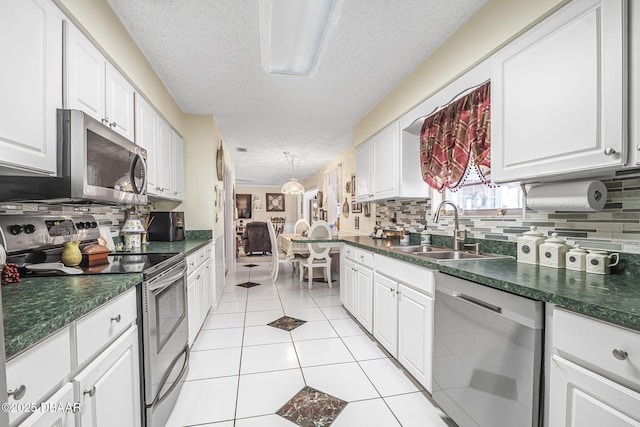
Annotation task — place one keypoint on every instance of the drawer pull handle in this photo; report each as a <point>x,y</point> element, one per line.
<point>391,289</point>
<point>19,392</point>
<point>91,392</point>
<point>620,354</point>
<point>609,151</point>
<point>117,318</point>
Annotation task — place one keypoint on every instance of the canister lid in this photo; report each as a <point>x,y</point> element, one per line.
<point>532,232</point>
<point>578,249</point>
<point>555,239</point>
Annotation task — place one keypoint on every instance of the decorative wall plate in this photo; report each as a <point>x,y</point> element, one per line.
<point>220,163</point>
<point>275,202</point>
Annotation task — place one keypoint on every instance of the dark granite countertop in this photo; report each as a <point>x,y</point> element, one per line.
<point>615,297</point>
<point>35,308</point>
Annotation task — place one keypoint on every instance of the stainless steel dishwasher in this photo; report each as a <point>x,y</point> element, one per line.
<point>487,355</point>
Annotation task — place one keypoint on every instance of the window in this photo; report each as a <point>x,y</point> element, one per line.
<point>474,198</point>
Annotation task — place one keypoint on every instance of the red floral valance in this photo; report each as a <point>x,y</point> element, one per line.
<point>454,136</point>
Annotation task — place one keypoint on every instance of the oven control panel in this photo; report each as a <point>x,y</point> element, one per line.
<point>37,231</point>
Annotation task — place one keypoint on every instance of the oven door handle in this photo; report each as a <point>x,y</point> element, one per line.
<point>166,281</point>
<point>178,380</point>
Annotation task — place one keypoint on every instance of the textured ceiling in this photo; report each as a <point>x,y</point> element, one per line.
<point>208,54</point>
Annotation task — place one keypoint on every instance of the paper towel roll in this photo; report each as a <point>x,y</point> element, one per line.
<point>577,196</point>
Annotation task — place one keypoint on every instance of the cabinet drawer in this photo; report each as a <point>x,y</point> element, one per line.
<point>364,258</point>
<point>203,254</point>
<point>192,262</point>
<point>100,327</point>
<point>419,278</point>
<point>594,342</point>
<point>39,369</point>
<point>349,252</point>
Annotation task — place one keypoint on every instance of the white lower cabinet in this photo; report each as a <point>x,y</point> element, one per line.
<point>415,333</point>
<point>403,324</point>
<point>30,380</point>
<point>403,314</point>
<point>57,411</point>
<point>109,387</point>
<point>357,281</point>
<point>199,292</point>
<point>385,313</point>
<point>580,397</point>
<point>594,379</point>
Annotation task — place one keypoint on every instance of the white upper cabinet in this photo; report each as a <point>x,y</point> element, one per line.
<point>94,86</point>
<point>165,172</point>
<point>388,167</point>
<point>178,166</point>
<point>119,102</point>
<point>559,101</point>
<point>30,84</point>
<point>147,137</point>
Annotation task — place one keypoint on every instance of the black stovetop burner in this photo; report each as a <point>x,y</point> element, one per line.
<point>118,264</point>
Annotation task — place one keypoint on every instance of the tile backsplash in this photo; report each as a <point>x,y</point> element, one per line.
<point>106,215</point>
<point>615,228</point>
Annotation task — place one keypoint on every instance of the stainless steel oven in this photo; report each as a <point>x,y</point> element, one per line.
<point>164,337</point>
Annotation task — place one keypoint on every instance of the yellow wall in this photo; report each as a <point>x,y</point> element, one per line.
<point>497,23</point>
<point>347,161</point>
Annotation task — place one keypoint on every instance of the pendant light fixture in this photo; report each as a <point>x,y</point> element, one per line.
<point>292,186</point>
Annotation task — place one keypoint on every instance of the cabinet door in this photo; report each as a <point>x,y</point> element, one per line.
<point>559,95</point>
<point>147,137</point>
<point>165,159</point>
<point>350,286</point>
<point>385,171</point>
<point>119,102</point>
<point>191,308</point>
<point>364,187</point>
<point>110,386</point>
<point>579,397</point>
<point>30,83</point>
<point>415,334</point>
<point>364,297</point>
<point>57,411</point>
<point>385,313</point>
<point>178,166</point>
<point>85,75</point>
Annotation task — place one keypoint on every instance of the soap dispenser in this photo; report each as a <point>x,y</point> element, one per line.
<point>528,245</point>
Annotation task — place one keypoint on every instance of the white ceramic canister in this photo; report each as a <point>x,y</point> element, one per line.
<point>528,245</point>
<point>600,262</point>
<point>576,259</point>
<point>553,252</point>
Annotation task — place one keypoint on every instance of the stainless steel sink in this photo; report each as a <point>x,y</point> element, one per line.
<point>418,249</point>
<point>458,256</point>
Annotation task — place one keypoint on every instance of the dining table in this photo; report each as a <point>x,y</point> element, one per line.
<point>293,245</point>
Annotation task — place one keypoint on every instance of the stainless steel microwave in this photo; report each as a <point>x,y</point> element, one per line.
<point>94,163</point>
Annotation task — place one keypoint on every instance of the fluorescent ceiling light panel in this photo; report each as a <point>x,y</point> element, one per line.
<point>293,34</point>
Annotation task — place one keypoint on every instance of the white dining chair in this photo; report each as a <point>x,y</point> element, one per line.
<point>318,256</point>
<point>301,226</point>
<point>277,256</point>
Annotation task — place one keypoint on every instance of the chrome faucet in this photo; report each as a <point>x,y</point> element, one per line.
<point>457,240</point>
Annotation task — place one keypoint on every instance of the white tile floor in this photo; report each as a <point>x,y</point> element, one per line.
<point>242,371</point>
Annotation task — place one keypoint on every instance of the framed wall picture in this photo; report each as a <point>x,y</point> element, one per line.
<point>356,207</point>
<point>366,207</point>
<point>243,205</point>
<point>357,223</point>
<point>353,186</point>
<point>275,202</point>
